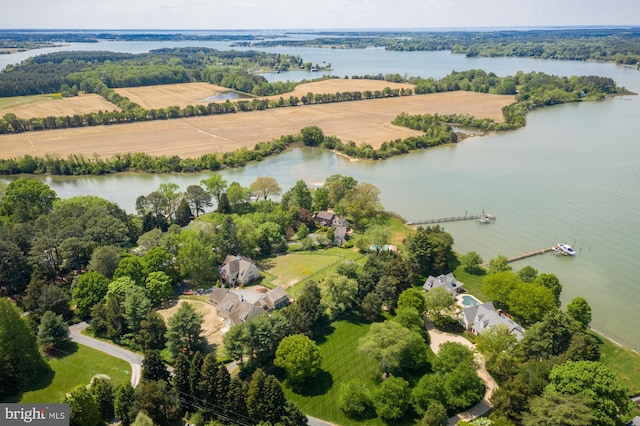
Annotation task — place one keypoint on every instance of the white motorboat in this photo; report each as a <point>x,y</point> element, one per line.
<point>566,249</point>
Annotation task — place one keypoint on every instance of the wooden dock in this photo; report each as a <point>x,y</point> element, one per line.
<point>525,255</point>
<point>485,217</point>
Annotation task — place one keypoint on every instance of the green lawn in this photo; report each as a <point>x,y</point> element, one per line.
<point>342,363</point>
<point>294,269</point>
<point>76,367</point>
<point>622,361</point>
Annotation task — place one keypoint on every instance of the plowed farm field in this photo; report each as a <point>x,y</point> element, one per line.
<point>365,121</point>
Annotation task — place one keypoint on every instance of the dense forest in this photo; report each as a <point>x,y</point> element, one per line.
<point>619,45</point>
<point>52,72</point>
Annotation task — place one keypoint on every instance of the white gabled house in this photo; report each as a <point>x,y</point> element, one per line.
<point>448,282</point>
<point>480,318</point>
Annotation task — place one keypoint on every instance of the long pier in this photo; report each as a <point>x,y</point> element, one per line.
<point>485,217</point>
<point>525,255</point>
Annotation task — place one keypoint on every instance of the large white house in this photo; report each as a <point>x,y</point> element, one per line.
<point>480,318</point>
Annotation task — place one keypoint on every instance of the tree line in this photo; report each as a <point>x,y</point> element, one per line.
<point>617,45</point>
<point>47,73</point>
<point>131,112</point>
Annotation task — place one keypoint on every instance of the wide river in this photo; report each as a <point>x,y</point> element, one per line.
<point>572,175</point>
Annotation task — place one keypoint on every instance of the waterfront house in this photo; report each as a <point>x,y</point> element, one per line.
<point>339,224</point>
<point>481,317</point>
<point>448,282</point>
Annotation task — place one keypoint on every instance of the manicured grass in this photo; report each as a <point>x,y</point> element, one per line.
<point>397,227</point>
<point>341,363</point>
<point>75,367</point>
<point>472,283</point>
<point>294,269</point>
<point>622,361</point>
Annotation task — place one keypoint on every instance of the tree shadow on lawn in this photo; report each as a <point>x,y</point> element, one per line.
<point>65,350</point>
<point>320,385</point>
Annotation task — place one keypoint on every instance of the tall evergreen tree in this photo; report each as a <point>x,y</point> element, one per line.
<point>182,382</point>
<point>195,373</point>
<point>184,215</point>
<point>185,330</point>
<point>153,367</point>
<point>208,386</point>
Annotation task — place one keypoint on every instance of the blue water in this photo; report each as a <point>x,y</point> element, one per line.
<point>572,175</point>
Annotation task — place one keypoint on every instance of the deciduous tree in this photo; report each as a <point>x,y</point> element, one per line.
<point>198,198</point>
<point>123,403</point>
<point>392,398</point>
<point>102,390</point>
<point>471,262</point>
<point>215,185</point>
<point>596,382</point>
<point>265,187</point>
<point>394,347</point>
<point>105,260</point>
<point>300,357</point>
<point>25,200</point>
<point>362,203</point>
<point>338,294</point>
<point>83,410</point>
<point>438,304</point>
<point>90,288</point>
<point>354,399</point>
<point>18,348</point>
<point>579,310</point>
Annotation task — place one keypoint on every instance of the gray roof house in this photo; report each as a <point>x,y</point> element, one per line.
<point>339,224</point>
<point>479,318</point>
<point>324,218</point>
<point>448,282</point>
<point>238,270</point>
<point>235,309</point>
<point>340,235</point>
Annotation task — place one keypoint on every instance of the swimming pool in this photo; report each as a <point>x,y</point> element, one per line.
<point>469,300</point>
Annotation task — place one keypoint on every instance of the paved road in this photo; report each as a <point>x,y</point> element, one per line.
<point>439,337</point>
<point>134,359</point>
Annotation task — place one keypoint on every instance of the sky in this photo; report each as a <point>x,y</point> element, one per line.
<point>318,14</point>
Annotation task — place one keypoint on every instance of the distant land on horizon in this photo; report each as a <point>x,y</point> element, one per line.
<point>323,30</point>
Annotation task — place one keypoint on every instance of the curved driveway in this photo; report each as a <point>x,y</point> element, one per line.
<point>439,337</point>
<point>134,359</point>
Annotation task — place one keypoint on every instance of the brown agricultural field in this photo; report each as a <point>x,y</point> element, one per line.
<point>46,106</point>
<point>367,121</point>
<point>166,95</point>
<point>334,85</point>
